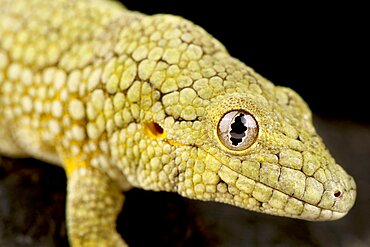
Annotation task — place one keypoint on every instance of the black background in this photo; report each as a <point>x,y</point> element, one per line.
<point>318,50</point>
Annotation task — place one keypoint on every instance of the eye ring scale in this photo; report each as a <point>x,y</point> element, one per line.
<point>237,130</point>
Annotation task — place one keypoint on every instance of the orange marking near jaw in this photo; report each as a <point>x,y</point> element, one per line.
<point>175,143</point>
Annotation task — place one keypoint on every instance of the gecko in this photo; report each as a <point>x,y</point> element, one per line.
<point>121,99</point>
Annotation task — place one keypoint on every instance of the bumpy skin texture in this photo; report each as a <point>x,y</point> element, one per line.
<point>86,84</point>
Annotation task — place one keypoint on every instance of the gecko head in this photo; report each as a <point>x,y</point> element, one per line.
<point>257,151</point>
<point>266,156</point>
<point>254,151</point>
<point>218,131</point>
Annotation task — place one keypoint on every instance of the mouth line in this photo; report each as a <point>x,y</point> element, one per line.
<point>304,202</point>
<point>179,144</point>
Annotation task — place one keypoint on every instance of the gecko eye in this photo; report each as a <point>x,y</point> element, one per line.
<point>237,130</point>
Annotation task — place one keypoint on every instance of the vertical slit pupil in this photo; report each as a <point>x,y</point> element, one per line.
<point>237,130</point>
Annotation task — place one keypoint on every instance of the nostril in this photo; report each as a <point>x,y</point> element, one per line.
<point>337,193</point>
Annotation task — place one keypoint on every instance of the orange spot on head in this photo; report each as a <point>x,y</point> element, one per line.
<point>154,130</point>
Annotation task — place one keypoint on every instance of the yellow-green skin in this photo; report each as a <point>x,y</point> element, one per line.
<point>81,82</point>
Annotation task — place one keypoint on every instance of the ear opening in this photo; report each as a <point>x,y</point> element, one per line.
<point>154,130</point>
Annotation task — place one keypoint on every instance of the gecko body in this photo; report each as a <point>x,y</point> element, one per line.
<point>121,99</point>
